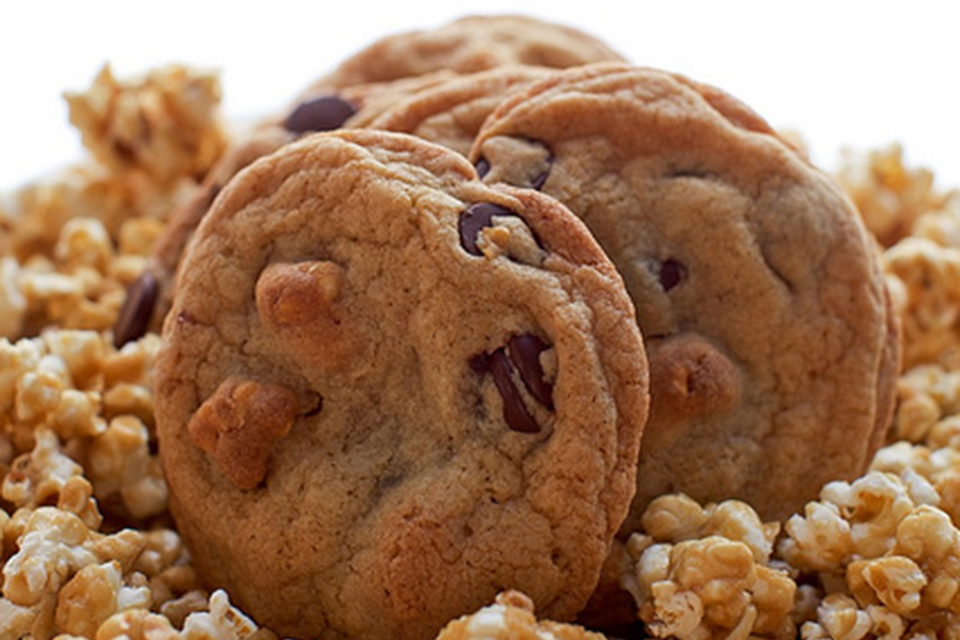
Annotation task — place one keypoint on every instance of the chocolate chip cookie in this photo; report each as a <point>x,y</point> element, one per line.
<point>149,297</point>
<point>470,44</point>
<point>772,346</point>
<point>387,392</point>
<point>357,91</point>
<point>451,112</point>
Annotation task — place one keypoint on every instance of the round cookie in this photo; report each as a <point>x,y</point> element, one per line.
<point>452,111</point>
<point>772,346</point>
<point>387,392</point>
<point>357,91</point>
<point>467,45</point>
<point>149,297</point>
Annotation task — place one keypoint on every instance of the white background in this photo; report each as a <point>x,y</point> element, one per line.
<point>845,74</point>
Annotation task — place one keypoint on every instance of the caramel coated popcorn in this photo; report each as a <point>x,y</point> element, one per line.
<point>706,573</point>
<point>86,547</point>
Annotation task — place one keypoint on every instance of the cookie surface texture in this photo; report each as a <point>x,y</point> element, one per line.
<point>773,349</point>
<point>387,392</point>
<point>470,44</point>
<point>451,112</point>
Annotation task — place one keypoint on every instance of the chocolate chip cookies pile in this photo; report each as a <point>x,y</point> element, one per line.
<point>446,325</point>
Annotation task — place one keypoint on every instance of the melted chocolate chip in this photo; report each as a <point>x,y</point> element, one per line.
<point>323,113</point>
<point>524,352</point>
<point>515,413</point>
<point>137,309</point>
<point>316,407</point>
<point>475,218</point>
<point>672,273</point>
<point>482,167</point>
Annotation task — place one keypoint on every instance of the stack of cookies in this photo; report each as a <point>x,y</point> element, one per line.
<point>446,325</point>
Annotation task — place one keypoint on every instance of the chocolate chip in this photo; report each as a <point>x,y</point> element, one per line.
<point>524,352</point>
<point>323,113</point>
<point>316,406</point>
<point>671,274</point>
<point>482,167</point>
<point>475,218</point>
<point>137,309</point>
<point>537,181</point>
<point>515,413</point>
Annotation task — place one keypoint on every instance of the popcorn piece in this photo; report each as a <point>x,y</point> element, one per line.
<point>223,622</point>
<point>120,465</point>
<point>39,477</point>
<point>51,549</point>
<point>930,312</point>
<point>714,589</point>
<point>511,617</point>
<point>22,622</point>
<point>166,124</point>
<point>94,594</point>
<point>13,304</point>
<point>894,581</point>
<point>83,242</point>
<point>676,517</point>
<point>838,618</point>
<point>942,225</point>
<point>890,196</point>
<point>136,624</point>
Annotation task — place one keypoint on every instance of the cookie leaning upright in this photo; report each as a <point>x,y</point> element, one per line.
<point>773,349</point>
<point>367,83</point>
<point>387,392</point>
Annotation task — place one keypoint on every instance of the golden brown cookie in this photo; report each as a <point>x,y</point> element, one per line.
<point>451,112</point>
<point>772,346</point>
<point>470,44</point>
<point>387,392</point>
<point>353,95</point>
<point>149,297</point>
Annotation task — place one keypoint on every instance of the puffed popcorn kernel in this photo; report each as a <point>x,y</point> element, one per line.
<point>928,395</point>
<point>930,315</point>
<point>712,588</point>
<point>838,618</point>
<point>83,242</point>
<point>885,625</point>
<point>874,505</point>
<point>138,236</point>
<point>23,623</point>
<point>894,581</point>
<point>889,196</point>
<point>51,549</point>
<point>165,124</point>
<point>942,225</point>
<point>511,617</point>
<point>817,540</point>
<point>120,464</point>
<point>136,624</point>
<point>39,477</point>
<point>222,622</point>
<point>94,594</point>
<point>676,517</point>
<point>673,518</point>
<point>52,546</point>
<point>13,304</point>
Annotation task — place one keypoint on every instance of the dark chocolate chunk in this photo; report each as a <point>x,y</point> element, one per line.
<point>134,317</point>
<point>524,352</point>
<point>515,413</point>
<point>323,113</point>
<point>475,218</point>
<point>671,274</point>
<point>482,167</point>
